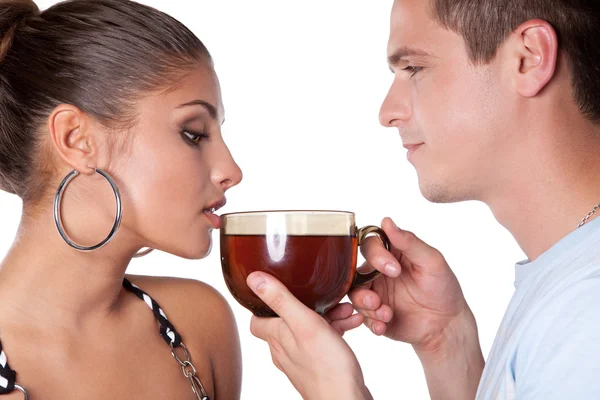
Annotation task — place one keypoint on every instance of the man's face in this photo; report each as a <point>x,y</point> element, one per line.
<point>449,110</point>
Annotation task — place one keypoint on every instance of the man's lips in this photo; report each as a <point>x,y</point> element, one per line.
<point>411,147</point>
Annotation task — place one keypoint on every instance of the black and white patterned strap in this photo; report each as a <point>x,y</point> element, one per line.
<point>7,375</point>
<point>173,339</point>
<point>167,332</point>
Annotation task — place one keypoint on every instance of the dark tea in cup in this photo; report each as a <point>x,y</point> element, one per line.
<point>313,253</point>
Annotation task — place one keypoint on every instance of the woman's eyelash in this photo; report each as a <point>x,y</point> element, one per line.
<point>194,137</point>
<point>412,70</point>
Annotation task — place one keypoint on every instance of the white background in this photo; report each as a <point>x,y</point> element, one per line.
<point>302,83</point>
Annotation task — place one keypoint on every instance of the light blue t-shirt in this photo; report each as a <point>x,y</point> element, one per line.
<point>548,344</point>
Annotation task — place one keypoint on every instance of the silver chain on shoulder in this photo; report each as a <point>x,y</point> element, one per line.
<point>189,371</point>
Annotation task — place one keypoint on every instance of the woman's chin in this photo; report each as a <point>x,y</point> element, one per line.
<point>207,250</point>
<point>190,248</point>
<point>197,252</point>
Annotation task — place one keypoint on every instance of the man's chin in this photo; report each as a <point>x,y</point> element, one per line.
<point>437,193</point>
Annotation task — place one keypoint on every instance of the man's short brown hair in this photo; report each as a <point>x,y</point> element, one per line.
<point>485,24</point>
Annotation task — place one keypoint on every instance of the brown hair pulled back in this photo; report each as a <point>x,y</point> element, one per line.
<point>98,55</point>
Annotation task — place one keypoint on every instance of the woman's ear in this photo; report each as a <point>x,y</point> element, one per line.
<point>73,138</point>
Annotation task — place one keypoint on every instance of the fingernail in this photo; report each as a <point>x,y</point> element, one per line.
<point>394,224</point>
<point>369,302</point>
<point>381,315</point>
<point>256,282</point>
<point>373,329</point>
<point>392,270</point>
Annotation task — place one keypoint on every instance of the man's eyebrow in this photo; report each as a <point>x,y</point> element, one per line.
<point>402,52</point>
<point>212,110</point>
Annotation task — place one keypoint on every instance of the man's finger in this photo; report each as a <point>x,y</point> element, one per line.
<point>411,247</point>
<point>295,314</point>
<point>376,326</point>
<point>379,257</point>
<point>265,328</point>
<point>365,299</point>
<point>341,311</point>
<point>344,325</point>
<point>383,313</point>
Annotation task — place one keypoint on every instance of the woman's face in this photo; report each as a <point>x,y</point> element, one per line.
<point>176,168</point>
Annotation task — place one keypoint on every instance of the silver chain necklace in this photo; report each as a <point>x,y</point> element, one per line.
<point>588,216</point>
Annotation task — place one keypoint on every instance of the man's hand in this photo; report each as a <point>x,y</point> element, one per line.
<point>417,304</point>
<point>419,301</point>
<point>306,347</point>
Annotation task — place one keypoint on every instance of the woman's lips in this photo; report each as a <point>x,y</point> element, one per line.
<point>214,219</point>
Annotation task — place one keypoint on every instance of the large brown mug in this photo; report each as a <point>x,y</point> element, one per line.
<point>313,253</point>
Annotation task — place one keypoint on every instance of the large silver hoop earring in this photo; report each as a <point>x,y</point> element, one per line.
<point>58,220</point>
<point>118,217</point>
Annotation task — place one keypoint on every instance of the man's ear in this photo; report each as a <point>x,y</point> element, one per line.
<point>536,51</point>
<point>72,137</point>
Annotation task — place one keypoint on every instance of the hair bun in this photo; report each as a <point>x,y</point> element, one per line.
<point>12,14</point>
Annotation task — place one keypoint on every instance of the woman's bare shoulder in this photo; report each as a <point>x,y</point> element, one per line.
<point>189,304</point>
<point>206,324</point>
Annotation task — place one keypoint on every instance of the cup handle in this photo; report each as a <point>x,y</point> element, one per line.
<point>361,279</point>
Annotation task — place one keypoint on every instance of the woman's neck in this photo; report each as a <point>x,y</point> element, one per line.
<point>44,280</point>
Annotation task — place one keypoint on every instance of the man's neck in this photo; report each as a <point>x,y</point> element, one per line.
<point>549,191</point>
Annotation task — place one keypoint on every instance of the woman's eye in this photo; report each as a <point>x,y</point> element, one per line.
<point>194,137</point>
